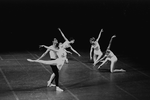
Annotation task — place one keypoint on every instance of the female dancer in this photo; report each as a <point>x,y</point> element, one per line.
<point>109,56</point>
<point>59,62</point>
<point>96,47</point>
<point>67,43</point>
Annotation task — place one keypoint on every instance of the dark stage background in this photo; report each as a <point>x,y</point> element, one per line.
<point>26,24</point>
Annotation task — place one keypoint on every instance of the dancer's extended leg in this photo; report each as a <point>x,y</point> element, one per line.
<point>112,70</point>
<point>48,62</point>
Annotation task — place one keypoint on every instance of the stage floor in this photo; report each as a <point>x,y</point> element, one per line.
<point>23,80</point>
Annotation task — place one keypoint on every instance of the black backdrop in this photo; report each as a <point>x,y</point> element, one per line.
<point>26,24</point>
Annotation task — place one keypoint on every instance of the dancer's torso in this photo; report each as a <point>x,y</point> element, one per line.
<point>111,56</point>
<point>52,53</point>
<point>66,44</point>
<point>96,48</point>
<point>62,54</point>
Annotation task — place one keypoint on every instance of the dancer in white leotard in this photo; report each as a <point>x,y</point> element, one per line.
<point>67,43</point>
<point>96,47</point>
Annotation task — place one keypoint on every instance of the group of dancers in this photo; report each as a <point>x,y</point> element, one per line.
<point>58,57</point>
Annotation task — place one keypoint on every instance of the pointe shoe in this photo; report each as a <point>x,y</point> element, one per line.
<point>59,89</point>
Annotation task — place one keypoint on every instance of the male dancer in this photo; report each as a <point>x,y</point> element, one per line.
<point>53,56</point>
<point>96,47</point>
<point>67,43</point>
<point>109,56</point>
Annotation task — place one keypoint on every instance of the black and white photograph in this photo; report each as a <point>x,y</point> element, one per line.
<point>74,50</point>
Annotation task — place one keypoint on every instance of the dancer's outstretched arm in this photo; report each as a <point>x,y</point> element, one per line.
<point>68,52</point>
<point>56,50</point>
<point>44,54</point>
<point>102,63</point>
<point>99,35</point>
<point>44,46</point>
<point>74,51</point>
<point>63,35</point>
<point>108,48</point>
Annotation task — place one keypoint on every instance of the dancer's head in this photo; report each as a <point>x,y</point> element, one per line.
<point>55,41</point>
<point>108,51</point>
<point>60,45</point>
<point>92,40</point>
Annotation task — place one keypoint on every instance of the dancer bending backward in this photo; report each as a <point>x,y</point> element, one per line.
<point>59,62</point>
<point>96,47</point>
<point>110,56</point>
<point>67,43</point>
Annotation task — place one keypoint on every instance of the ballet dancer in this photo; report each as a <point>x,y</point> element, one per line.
<point>96,48</point>
<point>53,56</point>
<point>109,56</point>
<point>59,62</point>
<point>67,43</point>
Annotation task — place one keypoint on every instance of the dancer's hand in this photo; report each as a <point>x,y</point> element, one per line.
<point>79,55</point>
<point>90,58</point>
<point>113,36</point>
<point>41,46</point>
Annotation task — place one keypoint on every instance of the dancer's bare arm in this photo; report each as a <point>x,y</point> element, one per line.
<point>102,63</point>
<point>99,35</point>
<point>62,34</point>
<point>44,46</point>
<point>68,52</point>
<point>110,42</point>
<point>53,49</point>
<point>101,60</point>
<point>74,51</point>
<point>44,54</point>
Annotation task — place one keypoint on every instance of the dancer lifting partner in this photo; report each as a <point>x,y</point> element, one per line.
<point>110,56</point>
<point>96,47</point>
<point>67,43</point>
<point>59,62</point>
